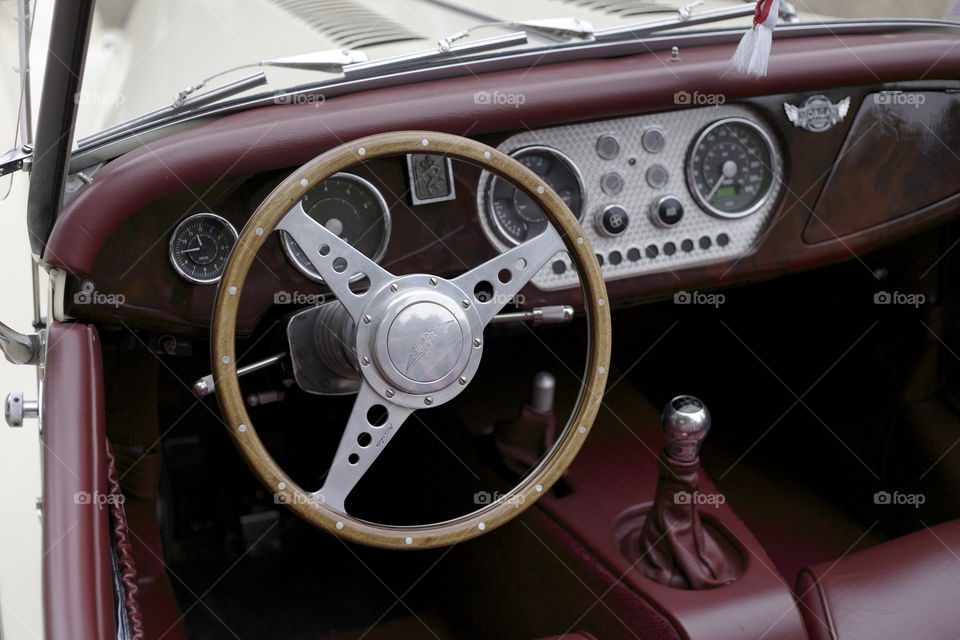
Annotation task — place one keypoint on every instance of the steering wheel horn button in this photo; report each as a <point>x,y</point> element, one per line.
<point>422,341</point>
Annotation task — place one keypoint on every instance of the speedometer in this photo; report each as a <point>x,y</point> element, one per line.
<point>350,207</point>
<point>733,168</point>
<point>512,214</point>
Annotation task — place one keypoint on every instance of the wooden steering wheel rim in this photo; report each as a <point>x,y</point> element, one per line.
<point>266,218</point>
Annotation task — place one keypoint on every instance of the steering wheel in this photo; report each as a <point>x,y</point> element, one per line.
<point>419,339</point>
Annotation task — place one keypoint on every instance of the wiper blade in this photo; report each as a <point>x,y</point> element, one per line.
<point>195,102</point>
<point>555,29</point>
<point>685,18</point>
<point>443,51</point>
<point>330,61</point>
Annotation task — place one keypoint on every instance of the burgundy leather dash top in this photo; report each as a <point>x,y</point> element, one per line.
<point>288,135</point>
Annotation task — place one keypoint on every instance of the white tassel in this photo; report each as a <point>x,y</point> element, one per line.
<point>753,53</point>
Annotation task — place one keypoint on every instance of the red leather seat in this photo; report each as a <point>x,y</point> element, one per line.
<point>905,588</point>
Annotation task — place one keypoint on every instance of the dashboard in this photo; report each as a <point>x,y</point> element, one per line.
<point>652,192</point>
<point>673,194</point>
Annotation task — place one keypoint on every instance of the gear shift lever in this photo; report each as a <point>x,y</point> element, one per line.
<point>686,422</point>
<point>678,550</point>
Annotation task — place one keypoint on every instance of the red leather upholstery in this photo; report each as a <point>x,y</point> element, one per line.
<point>77,576</point>
<point>902,589</point>
<point>140,473</point>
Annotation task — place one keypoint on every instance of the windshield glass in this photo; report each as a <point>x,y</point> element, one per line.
<point>144,53</point>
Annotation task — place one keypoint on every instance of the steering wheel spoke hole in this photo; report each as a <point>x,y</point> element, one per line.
<point>483,291</point>
<point>359,283</point>
<point>377,416</point>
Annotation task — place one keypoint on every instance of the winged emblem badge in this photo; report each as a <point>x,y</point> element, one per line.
<point>426,342</point>
<point>817,113</point>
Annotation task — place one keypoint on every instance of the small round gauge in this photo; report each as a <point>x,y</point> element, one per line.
<point>733,168</point>
<point>513,215</point>
<point>350,207</point>
<point>200,246</point>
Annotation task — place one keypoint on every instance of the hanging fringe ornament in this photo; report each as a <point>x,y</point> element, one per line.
<point>753,52</point>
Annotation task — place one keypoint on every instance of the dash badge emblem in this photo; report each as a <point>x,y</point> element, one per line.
<point>817,113</point>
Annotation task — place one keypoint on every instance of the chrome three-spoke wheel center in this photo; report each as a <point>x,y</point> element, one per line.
<point>420,339</point>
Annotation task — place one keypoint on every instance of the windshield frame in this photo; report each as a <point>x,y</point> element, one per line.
<point>499,60</point>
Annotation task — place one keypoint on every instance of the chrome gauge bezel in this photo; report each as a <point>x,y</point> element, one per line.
<point>307,270</point>
<point>171,248</point>
<point>503,239</point>
<point>775,168</point>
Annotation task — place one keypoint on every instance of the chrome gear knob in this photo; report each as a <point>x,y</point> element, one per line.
<point>686,422</point>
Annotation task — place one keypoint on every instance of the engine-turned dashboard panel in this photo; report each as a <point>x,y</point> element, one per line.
<point>653,192</point>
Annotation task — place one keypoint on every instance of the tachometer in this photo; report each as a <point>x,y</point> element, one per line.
<point>200,246</point>
<point>733,168</point>
<point>512,214</point>
<point>350,207</point>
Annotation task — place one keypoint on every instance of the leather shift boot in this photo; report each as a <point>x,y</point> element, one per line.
<point>679,551</point>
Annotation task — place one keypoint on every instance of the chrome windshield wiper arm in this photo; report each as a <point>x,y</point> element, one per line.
<point>555,29</point>
<point>194,102</point>
<point>444,50</point>
<point>329,61</point>
<point>685,17</point>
